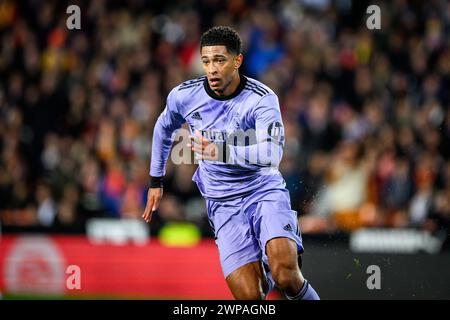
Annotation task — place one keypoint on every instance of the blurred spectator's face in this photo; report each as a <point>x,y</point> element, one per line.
<point>349,151</point>
<point>221,68</point>
<point>42,192</point>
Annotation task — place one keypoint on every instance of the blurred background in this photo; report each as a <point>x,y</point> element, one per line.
<point>367,156</point>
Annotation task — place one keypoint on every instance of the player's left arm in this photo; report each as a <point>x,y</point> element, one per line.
<point>267,139</point>
<point>269,131</point>
<point>266,142</point>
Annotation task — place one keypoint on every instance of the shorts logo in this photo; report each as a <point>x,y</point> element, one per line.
<point>287,227</point>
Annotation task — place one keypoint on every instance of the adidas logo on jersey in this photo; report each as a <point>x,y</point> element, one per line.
<point>287,227</point>
<point>196,116</point>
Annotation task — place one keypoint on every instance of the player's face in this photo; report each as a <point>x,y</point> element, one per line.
<point>221,68</point>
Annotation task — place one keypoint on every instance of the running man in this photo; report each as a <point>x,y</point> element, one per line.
<point>248,205</point>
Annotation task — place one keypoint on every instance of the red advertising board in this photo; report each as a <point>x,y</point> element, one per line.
<point>55,265</point>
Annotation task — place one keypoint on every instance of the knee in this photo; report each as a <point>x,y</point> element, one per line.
<point>282,255</point>
<point>284,268</point>
<point>284,275</point>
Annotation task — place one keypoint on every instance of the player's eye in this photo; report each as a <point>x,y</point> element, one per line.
<point>205,62</point>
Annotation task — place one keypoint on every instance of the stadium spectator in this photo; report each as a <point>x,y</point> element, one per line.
<point>366,111</point>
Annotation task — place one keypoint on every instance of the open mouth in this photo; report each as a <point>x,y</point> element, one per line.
<point>214,82</point>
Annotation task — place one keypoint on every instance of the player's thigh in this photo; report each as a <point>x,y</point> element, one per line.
<point>275,220</point>
<point>235,240</point>
<point>248,282</point>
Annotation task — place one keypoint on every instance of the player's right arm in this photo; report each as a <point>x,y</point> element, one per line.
<point>154,196</point>
<point>168,121</point>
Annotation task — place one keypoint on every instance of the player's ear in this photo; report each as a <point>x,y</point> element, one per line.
<point>238,61</point>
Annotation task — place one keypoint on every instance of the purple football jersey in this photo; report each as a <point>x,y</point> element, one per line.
<point>248,122</point>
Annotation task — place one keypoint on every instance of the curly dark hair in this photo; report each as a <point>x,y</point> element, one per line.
<point>222,36</point>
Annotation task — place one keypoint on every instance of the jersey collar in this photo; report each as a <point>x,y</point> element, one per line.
<point>212,94</point>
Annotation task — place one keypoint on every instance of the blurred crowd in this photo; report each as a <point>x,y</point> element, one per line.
<point>366,112</point>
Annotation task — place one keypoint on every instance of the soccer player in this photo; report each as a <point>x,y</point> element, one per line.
<point>248,206</point>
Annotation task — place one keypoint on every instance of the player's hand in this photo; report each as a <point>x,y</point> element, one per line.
<point>154,196</point>
<point>203,148</point>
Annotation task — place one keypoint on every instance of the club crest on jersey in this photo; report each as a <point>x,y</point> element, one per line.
<point>236,120</point>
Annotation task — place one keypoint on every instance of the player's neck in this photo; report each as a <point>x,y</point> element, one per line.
<point>234,88</point>
<point>231,88</point>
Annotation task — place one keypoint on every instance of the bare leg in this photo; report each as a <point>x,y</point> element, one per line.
<point>283,263</point>
<point>248,282</point>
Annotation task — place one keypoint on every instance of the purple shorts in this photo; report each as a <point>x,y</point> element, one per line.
<point>243,226</point>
